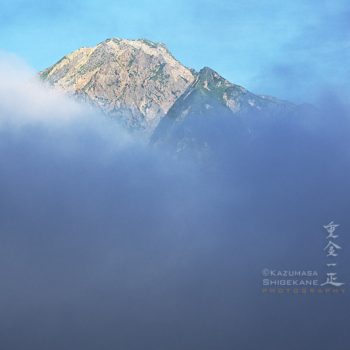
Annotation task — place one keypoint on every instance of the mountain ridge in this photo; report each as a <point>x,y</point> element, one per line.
<point>140,83</point>
<point>213,108</point>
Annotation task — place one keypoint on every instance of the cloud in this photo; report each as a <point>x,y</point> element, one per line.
<point>106,242</point>
<point>25,100</point>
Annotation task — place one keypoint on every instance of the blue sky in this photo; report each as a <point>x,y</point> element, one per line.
<point>282,48</point>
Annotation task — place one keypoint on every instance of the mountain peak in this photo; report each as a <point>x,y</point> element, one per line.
<point>136,81</point>
<point>137,42</point>
<point>210,80</point>
<point>208,72</point>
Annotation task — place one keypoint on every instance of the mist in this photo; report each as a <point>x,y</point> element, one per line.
<point>108,242</point>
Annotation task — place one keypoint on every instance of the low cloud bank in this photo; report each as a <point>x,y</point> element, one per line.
<point>106,242</point>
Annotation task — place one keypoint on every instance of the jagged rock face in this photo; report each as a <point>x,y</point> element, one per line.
<point>213,109</point>
<point>136,81</point>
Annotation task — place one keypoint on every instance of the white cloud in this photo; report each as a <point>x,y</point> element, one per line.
<point>24,99</point>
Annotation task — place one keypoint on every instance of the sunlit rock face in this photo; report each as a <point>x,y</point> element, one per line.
<point>134,81</point>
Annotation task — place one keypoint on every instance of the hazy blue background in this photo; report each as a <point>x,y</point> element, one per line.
<point>253,43</point>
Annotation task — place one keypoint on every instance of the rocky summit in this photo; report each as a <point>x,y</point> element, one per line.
<point>135,81</point>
